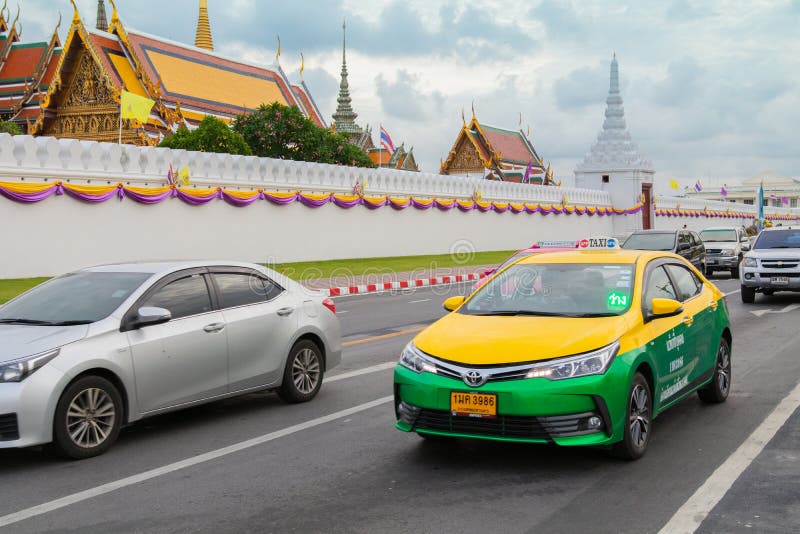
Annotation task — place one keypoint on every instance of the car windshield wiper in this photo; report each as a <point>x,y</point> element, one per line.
<point>38,322</point>
<point>511,313</point>
<point>21,320</point>
<point>583,315</point>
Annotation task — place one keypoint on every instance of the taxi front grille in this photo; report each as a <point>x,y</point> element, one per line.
<point>506,426</point>
<point>9,429</point>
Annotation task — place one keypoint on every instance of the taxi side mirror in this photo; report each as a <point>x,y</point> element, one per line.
<point>664,308</point>
<point>453,303</point>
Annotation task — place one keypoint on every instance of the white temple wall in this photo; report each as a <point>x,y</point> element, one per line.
<point>60,233</point>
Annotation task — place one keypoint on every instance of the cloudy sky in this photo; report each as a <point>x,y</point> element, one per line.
<point>711,88</point>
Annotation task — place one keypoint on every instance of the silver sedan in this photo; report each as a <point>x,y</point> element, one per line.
<point>89,351</point>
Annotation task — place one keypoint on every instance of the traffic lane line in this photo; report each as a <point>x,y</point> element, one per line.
<point>362,371</point>
<point>110,487</point>
<point>689,516</point>
<point>382,337</point>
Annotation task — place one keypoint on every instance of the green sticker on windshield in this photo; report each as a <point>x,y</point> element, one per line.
<point>617,300</point>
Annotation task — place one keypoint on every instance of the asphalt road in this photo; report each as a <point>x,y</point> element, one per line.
<point>338,465</point>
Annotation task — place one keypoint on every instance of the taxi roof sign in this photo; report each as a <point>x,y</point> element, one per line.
<point>555,244</point>
<point>599,243</point>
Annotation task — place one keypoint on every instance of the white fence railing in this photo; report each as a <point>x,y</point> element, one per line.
<point>45,158</point>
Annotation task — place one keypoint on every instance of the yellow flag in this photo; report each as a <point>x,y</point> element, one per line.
<point>673,184</point>
<point>135,107</point>
<point>183,176</point>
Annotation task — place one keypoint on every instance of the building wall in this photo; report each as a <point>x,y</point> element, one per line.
<point>62,233</point>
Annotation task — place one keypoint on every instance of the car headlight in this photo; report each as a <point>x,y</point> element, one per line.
<point>414,359</point>
<point>727,252</point>
<point>750,262</point>
<point>18,370</point>
<point>591,363</point>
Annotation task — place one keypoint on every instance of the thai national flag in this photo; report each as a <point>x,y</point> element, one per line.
<point>386,141</point>
<point>170,176</point>
<point>698,186</point>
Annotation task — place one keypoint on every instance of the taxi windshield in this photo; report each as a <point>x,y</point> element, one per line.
<point>557,290</point>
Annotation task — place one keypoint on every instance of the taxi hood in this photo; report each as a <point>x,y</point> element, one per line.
<point>500,340</point>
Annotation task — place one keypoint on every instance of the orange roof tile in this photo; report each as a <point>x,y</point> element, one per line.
<point>22,62</point>
<point>509,144</point>
<point>205,81</point>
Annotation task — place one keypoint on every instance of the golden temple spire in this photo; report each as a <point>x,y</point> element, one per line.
<point>203,38</point>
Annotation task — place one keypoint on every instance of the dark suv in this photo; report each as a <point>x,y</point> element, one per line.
<point>682,242</point>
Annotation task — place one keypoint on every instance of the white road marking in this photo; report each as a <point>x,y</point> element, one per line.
<point>103,489</point>
<point>689,516</point>
<point>362,371</point>
<point>418,301</point>
<point>731,292</point>
<point>788,308</point>
<point>339,312</point>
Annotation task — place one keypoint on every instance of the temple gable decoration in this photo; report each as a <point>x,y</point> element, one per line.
<point>495,154</point>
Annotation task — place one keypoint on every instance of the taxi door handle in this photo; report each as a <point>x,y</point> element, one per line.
<point>688,320</point>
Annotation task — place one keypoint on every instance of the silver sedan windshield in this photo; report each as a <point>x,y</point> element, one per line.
<point>77,298</point>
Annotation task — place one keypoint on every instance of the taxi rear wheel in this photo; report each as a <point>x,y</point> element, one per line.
<point>638,421</point>
<point>717,391</point>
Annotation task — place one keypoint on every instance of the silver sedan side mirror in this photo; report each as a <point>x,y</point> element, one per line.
<point>150,315</point>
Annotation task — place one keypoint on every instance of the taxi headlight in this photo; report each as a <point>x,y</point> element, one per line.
<point>18,370</point>
<point>591,363</point>
<point>412,358</point>
<point>750,262</point>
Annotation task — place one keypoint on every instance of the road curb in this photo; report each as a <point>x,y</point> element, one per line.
<point>405,284</point>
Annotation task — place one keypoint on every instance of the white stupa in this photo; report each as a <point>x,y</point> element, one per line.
<point>614,163</point>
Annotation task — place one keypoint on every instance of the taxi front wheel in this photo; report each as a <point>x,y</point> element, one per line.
<point>638,421</point>
<point>717,391</point>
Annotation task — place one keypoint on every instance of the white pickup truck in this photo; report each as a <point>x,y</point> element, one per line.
<point>773,264</point>
<point>725,248</point>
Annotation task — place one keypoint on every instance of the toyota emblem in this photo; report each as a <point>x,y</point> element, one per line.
<point>474,378</point>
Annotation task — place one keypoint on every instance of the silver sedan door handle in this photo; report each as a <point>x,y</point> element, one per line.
<point>285,311</point>
<point>214,327</point>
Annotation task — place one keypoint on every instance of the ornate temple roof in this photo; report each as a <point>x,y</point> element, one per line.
<point>162,70</point>
<point>614,148</point>
<point>504,154</point>
<point>26,70</point>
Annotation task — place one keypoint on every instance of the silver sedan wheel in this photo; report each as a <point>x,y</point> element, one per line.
<point>306,371</point>
<point>90,417</point>
<point>723,369</point>
<point>639,416</point>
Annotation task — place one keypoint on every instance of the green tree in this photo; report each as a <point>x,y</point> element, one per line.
<point>10,128</point>
<point>212,135</point>
<point>278,131</point>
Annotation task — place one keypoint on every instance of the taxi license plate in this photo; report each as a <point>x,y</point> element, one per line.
<point>780,280</point>
<point>473,404</point>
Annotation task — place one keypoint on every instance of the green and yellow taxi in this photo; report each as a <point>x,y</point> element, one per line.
<point>574,348</point>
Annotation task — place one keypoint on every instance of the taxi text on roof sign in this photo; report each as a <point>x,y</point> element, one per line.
<point>602,243</point>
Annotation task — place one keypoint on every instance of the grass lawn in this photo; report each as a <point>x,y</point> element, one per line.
<point>9,288</point>
<point>12,287</point>
<point>398,264</point>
